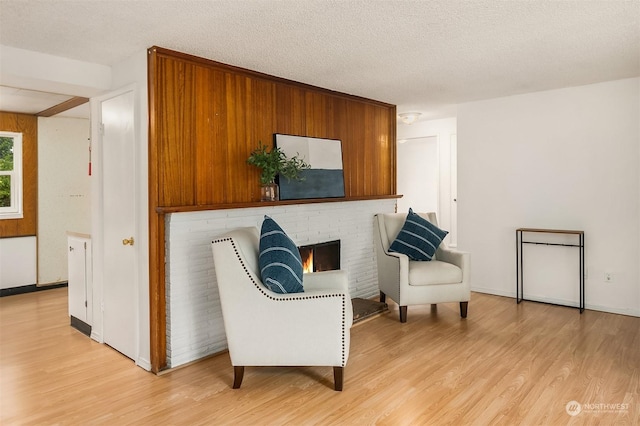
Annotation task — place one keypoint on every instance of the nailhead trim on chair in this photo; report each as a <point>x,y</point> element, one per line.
<point>259,287</point>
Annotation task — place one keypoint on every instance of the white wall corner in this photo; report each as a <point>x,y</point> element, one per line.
<point>48,73</point>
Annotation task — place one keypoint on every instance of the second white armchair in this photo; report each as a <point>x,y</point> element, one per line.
<point>411,282</point>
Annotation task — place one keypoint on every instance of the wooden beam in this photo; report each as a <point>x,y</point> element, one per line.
<point>64,106</point>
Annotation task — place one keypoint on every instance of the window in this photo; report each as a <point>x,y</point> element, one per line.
<point>10,175</point>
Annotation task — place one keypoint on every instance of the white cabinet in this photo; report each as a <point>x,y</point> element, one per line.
<point>80,281</point>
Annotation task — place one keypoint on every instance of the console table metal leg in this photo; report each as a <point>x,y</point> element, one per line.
<point>519,265</point>
<point>582,273</point>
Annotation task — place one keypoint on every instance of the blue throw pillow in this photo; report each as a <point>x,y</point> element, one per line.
<point>279,260</point>
<point>419,239</point>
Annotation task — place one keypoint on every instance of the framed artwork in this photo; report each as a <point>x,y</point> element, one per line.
<point>325,178</point>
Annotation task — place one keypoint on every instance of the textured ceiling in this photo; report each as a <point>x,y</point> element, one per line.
<point>421,55</point>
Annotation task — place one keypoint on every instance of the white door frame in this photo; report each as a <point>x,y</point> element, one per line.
<point>453,242</point>
<point>97,221</point>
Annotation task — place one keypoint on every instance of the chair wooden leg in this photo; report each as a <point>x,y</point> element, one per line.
<point>403,314</point>
<point>463,309</point>
<point>383,297</point>
<point>338,377</point>
<point>238,374</point>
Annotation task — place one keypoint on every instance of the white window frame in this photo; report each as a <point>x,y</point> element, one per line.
<point>15,211</point>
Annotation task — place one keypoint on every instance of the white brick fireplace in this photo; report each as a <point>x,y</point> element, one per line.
<point>194,320</point>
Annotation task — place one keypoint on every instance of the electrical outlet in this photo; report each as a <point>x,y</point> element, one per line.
<point>608,277</point>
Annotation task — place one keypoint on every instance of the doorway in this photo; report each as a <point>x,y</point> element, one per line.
<point>426,178</point>
<point>418,174</point>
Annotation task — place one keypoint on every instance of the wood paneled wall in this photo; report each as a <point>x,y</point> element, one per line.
<point>206,118</point>
<point>28,126</point>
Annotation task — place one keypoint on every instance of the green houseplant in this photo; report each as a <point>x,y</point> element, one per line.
<point>272,163</point>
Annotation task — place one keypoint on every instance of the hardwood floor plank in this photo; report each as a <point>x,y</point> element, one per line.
<point>505,364</point>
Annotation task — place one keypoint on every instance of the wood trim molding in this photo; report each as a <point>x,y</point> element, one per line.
<point>63,106</point>
<point>182,209</point>
<point>157,297</point>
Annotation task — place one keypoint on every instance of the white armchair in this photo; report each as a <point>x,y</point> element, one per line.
<point>264,328</point>
<point>408,282</point>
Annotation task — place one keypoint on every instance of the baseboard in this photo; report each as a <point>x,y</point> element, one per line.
<point>589,306</point>
<point>30,289</point>
<point>628,312</point>
<point>494,292</point>
<point>145,364</point>
<point>81,326</point>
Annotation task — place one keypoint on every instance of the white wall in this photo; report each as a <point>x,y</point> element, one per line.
<point>64,191</point>
<point>564,159</point>
<point>445,131</point>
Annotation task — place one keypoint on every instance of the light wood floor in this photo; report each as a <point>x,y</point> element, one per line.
<point>505,364</point>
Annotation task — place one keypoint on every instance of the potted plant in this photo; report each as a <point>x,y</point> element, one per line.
<point>273,163</point>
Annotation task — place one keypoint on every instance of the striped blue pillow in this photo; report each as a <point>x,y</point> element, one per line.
<point>280,262</point>
<point>419,239</point>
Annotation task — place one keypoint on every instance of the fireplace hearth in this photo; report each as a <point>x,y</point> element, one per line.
<point>321,256</point>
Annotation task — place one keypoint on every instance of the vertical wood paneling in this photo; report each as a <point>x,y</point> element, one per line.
<point>204,135</point>
<point>337,127</point>
<point>176,120</point>
<point>354,146</point>
<point>316,118</point>
<point>28,126</point>
<point>262,122</point>
<point>217,97</point>
<point>236,103</point>
<point>210,116</point>
<point>290,107</point>
<point>387,144</point>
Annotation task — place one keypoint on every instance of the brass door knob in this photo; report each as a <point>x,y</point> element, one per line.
<point>127,241</point>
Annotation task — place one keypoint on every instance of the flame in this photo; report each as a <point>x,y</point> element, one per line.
<point>307,263</point>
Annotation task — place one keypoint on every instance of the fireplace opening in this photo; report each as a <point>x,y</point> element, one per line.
<point>320,257</point>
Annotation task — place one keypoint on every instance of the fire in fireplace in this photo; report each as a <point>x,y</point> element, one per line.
<point>321,256</point>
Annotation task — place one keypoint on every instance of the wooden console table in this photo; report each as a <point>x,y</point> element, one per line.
<point>519,264</point>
